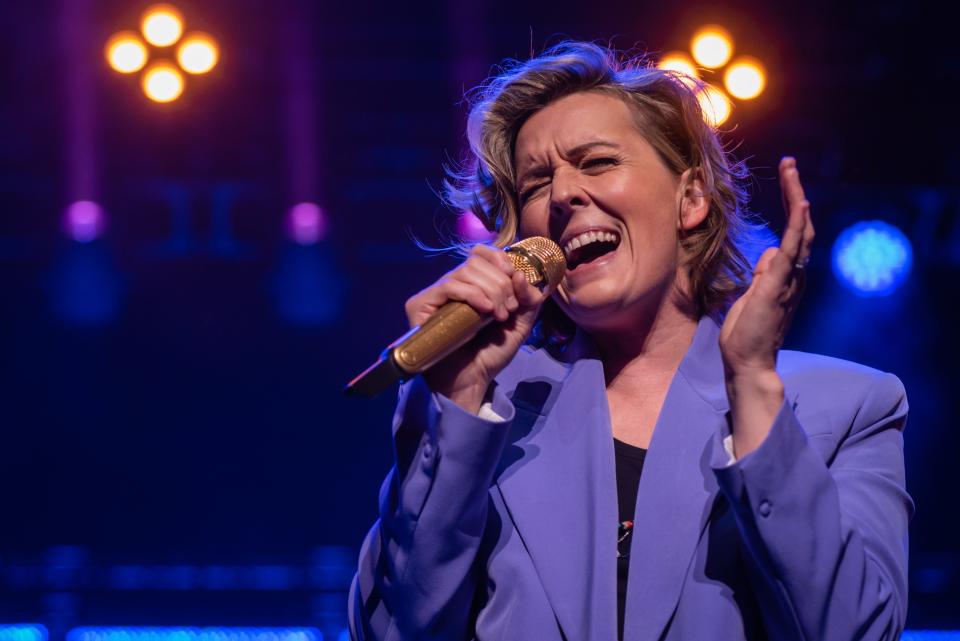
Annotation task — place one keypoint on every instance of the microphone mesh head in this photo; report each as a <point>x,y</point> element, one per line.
<point>540,259</point>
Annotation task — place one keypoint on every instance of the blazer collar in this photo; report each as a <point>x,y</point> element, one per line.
<point>702,365</point>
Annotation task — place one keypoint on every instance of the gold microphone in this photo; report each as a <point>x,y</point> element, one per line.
<point>542,263</point>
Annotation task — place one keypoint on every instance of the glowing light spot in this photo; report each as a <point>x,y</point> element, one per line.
<point>715,105</point>
<point>84,221</point>
<point>126,53</point>
<point>712,46</point>
<point>162,82</point>
<point>872,258</point>
<point>198,53</point>
<point>469,227</point>
<point>682,64</point>
<point>23,632</point>
<point>162,25</point>
<point>745,78</point>
<point>306,224</point>
<point>194,634</point>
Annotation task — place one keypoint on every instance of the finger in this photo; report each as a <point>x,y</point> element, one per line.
<point>497,257</point>
<point>795,205</point>
<point>791,189</point>
<point>774,277</point>
<point>467,293</point>
<point>495,284</point>
<point>763,265</point>
<point>806,244</point>
<point>420,307</point>
<point>527,295</point>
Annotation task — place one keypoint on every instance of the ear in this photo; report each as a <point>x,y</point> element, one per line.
<point>694,204</point>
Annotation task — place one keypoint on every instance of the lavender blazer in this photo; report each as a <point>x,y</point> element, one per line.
<point>507,530</point>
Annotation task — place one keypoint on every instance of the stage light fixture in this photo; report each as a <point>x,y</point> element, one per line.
<point>198,53</point>
<point>162,25</point>
<point>715,105</point>
<point>745,78</point>
<point>126,53</point>
<point>872,258</point>
<point>712,46</point>
<point>162,82</point>
<point>682,64</point>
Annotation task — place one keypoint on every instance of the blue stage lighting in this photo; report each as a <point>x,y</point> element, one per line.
<point>872,258</point>
<point>931,635</point>
<point>23,632</point>
<point>194,634</point>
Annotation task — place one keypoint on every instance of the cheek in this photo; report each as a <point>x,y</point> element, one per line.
<point>532,223</point>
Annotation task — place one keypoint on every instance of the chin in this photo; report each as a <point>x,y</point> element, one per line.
<point>606,306</point>
<point>592,310</point>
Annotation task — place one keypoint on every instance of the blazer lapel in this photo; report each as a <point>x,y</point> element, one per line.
<point>558,484</point>
<point>677,487</point>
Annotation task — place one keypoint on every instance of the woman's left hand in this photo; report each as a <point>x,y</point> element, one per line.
<point>757,323</point>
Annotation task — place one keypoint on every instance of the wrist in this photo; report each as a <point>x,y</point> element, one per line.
<point>755,399</point>
<point>469,398</point>
<point>754,384</point>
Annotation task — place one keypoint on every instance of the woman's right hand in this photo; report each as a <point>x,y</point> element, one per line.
<point>488,282</point>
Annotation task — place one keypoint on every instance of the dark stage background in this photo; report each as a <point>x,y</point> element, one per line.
<point>175,449</point>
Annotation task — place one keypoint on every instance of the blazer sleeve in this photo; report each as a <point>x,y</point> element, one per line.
<point>416,576</point>
<point>826,541</point>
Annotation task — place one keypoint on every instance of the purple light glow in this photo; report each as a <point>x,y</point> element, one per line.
<point>470,228</point>
<point>306,224</point>
<point>84,221</point>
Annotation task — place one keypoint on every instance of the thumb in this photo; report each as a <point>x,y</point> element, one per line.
<point>529,300</point>
<point>766,259</point>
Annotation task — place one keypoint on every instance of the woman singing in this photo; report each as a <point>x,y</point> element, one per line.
<point>635,456</point>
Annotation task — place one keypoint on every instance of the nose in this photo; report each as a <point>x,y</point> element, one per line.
<point>566,193</point>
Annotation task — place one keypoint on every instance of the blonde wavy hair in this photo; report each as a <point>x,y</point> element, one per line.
<point>668,115</point>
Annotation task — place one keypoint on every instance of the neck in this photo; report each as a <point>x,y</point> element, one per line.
<point>650,349</point>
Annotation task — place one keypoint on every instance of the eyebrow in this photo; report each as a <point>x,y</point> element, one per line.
<point>539,170</point>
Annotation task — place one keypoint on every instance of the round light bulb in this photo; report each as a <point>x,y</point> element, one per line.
<point>162,25</point>
<point>125,52</point>
<point>198,53</point>
<point>163,82</point>
<point>715,105</point>
<point>712,46</point>
<point>745,78</point>
<point>682,64</point>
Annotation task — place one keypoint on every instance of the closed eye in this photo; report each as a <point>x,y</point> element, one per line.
<point>598,162</point>
<point>527,193</point>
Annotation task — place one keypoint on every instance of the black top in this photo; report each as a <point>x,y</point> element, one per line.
<point>629,460</point>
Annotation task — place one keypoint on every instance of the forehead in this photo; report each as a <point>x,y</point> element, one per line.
<point>572,121</point>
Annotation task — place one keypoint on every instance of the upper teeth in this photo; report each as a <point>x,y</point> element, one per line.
<point>586,238</point>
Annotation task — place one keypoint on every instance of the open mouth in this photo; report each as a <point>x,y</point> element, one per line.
<point>588,247</point>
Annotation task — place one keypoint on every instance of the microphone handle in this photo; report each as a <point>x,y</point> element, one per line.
<point>447,329</point>
<point>444,332</point>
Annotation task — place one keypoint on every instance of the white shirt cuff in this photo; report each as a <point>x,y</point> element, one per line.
<point>728,448</point>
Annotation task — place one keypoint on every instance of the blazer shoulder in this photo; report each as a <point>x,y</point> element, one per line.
<point>828,381</point>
